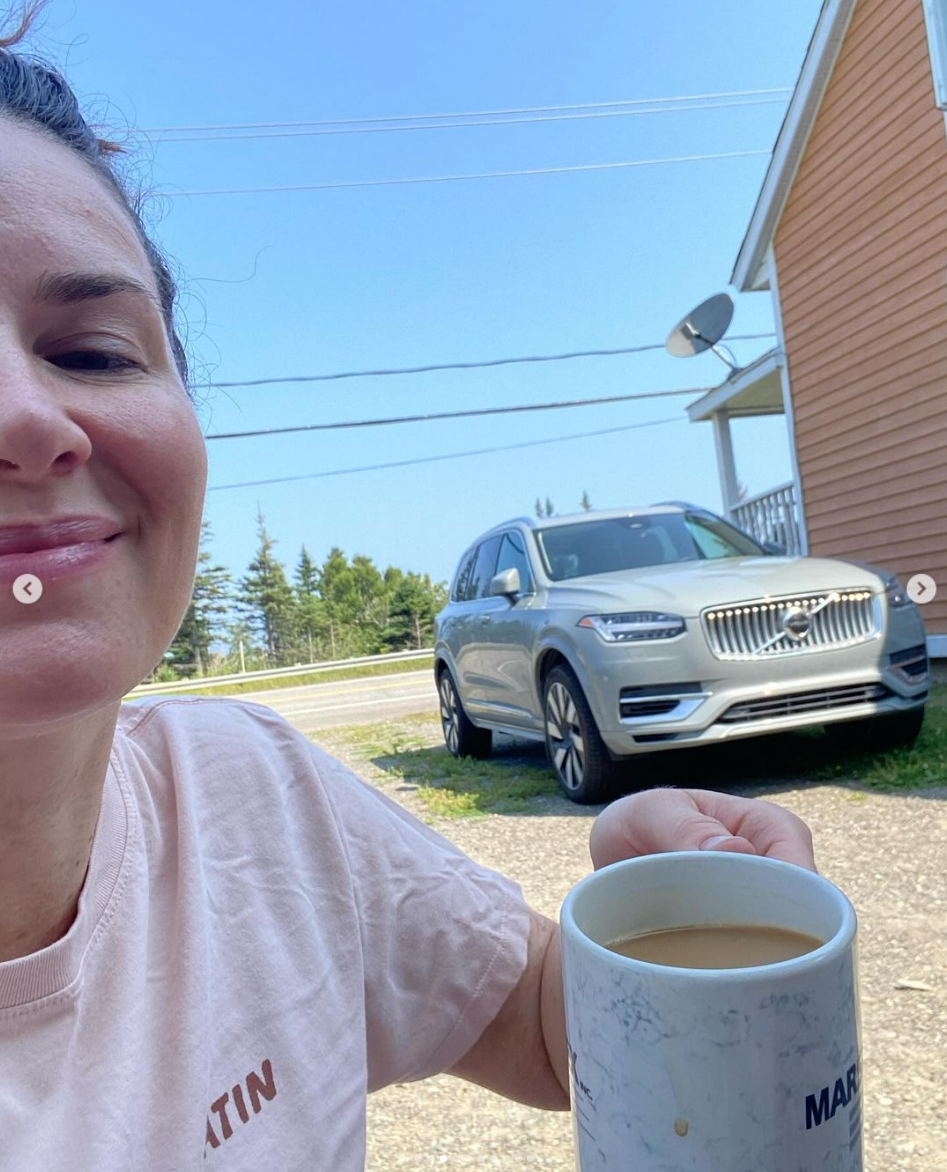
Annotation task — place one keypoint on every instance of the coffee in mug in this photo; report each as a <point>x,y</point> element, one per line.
<point>718,946</point>
<point>739,1067</point>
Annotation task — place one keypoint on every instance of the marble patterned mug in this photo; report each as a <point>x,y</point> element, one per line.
<point>711,1070</point>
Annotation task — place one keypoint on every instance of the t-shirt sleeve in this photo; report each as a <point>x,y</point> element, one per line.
<point>444,940</point>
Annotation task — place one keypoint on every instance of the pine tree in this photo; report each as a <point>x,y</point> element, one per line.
<point>307,575</point>
<point>585,503</point>
<point>338,589</point>
<point>267,602</point>
<point>312,624</point>
<point>414,606</point>
<point>204,620</point>
<point>550,507</point>
<point>539,508</point>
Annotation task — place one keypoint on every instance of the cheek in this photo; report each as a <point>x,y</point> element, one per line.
<point>157,449</point>
<point>154,461</point>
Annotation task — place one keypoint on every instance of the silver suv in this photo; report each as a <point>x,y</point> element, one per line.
<point>613,633</point>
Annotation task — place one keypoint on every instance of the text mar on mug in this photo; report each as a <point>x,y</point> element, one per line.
<point>823,1105</point>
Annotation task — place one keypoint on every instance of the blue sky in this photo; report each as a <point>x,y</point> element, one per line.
<point>313,282</point>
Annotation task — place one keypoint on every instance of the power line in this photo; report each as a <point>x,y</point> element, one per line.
<point>446,456</point>
<point>456,178</point>
<point>457,414</point>
<point>473,113</point>
<point>321,378</point>
<point>279,134</point>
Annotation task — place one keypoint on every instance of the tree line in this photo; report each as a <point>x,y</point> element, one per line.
<point>338,609</point>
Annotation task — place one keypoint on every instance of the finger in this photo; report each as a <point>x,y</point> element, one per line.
<point>657,821</point>
<point>775,832</point>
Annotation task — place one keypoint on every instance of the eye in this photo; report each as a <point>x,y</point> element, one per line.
<point>94,361</point>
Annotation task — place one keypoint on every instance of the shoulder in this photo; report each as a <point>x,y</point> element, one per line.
<point>226,738</point>
<point>203,716</point>
<point>218,728</point>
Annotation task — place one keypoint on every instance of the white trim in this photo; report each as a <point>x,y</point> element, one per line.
<point>787,398</point>
<point>726,465</point>
<point>748,272</point>
<point>761,496</point>
<point>717,399</point>
<point>935,14</point>
<point>937,646</point>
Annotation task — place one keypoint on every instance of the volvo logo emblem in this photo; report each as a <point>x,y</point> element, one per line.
<point>796,624</point>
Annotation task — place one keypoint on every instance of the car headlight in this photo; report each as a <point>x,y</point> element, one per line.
<point>896,594</point>
<point>635,627</point>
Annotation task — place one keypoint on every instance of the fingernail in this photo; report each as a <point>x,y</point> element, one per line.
<point>714,841</point>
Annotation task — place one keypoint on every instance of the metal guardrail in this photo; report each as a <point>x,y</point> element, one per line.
<point>278,672</point>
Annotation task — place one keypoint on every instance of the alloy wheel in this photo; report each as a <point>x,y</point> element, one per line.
<point>566,743</point>
<point>450,717</point>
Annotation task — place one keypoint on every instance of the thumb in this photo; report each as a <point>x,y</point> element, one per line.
<point>657,821</point>
<point>722,840</point>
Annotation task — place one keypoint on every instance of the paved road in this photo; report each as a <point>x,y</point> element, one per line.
<point>316,706</point>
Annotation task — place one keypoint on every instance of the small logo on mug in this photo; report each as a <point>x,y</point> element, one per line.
<point>579,1084</point>
<point>822,1106</point>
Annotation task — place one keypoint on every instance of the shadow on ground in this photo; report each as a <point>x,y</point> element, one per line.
<point>516,777</point>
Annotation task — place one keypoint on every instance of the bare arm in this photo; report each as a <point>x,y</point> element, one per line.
<point>522,1053</point>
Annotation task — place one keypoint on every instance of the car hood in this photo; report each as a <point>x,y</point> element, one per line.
<point>687,588</point>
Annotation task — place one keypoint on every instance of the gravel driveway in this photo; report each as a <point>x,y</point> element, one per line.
<point>887,851</point>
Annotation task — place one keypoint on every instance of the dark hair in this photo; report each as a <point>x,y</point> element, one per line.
<point>36,95</point>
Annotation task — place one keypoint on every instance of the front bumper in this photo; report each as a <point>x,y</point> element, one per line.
<point>677,694</point>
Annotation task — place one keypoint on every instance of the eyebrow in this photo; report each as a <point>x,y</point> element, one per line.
<point>68,288</point>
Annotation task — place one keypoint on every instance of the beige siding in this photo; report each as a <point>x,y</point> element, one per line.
<point>861,254</point>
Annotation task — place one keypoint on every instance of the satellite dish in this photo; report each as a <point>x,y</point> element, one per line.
<point>702,329</point>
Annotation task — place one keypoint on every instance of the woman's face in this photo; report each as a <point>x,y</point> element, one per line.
<point>94,425</point>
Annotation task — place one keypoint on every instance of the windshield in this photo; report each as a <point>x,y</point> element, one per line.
<point>611,545</point>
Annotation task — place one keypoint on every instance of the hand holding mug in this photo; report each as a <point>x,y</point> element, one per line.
<point>698,1052</point>
<point>660,820</point>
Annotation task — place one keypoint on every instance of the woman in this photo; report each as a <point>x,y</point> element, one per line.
<point>213,939</point>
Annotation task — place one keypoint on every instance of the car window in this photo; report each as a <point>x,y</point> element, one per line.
<point>714,538</point>
<point>610,545</point>
<point>710,544</point>
<point>484,569</point>
<point>461,582</point>
<point>513,556</point>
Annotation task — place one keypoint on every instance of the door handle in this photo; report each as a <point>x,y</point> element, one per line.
<point>484,619</point>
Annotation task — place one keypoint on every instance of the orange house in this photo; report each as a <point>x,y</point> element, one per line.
<point>849,237</point>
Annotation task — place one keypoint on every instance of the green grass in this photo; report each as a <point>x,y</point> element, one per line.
<point>410,750</point>
<point>923,765</point>
<point>362,671</point>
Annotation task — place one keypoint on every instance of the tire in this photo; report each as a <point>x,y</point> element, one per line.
<point>461,735</point>
<point>878,733</point>
<point>574,749</point>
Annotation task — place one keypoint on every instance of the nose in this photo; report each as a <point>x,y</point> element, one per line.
<point>38,438</point>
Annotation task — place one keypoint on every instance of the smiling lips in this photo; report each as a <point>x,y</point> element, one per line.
<point>55,548</point>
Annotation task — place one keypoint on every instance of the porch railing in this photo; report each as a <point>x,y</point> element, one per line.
<point>772,516</point>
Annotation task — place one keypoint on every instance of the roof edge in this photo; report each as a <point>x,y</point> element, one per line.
<point>750,271</point>
<point>715,400</point>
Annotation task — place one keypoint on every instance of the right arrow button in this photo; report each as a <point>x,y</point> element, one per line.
<point>922,589</point>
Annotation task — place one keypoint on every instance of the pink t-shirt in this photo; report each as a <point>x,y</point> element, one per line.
<point>261,939</point>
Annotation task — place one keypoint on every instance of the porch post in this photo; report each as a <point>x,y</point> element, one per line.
<point>726,467</point>
<point>788,410</point>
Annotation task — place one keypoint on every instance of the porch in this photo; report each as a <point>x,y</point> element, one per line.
<point>761,388</point>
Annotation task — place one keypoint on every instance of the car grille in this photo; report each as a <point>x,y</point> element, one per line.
<point>758,629</point>
<point>824,700</point>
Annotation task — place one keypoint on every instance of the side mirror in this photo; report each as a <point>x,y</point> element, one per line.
<point>775,549</point>
<point>505,584</point>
